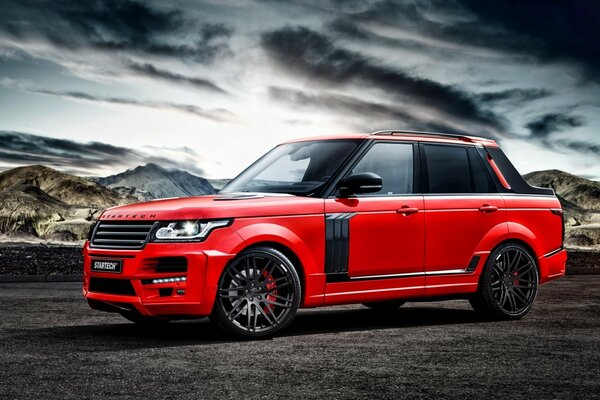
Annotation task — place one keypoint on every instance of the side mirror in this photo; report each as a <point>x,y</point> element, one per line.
<point>365,182</point>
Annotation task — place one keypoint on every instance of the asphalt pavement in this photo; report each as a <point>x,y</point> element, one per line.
<point>53,346</point>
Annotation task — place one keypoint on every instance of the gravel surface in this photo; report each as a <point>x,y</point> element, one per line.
<point>40,259</point>
<point>53,346</point>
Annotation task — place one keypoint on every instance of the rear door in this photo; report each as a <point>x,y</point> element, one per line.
<point>379,233</point>
<point>461,206</point>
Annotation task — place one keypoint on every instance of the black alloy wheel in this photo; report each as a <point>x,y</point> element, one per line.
<point>258,295</point>
<point>509,283</point>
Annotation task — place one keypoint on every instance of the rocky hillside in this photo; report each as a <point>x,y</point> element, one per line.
<point>576,191</point>
<point>580,199</point>
<point>23,207</point>
<point>38,201</point>
<point>67,188</point>
<point>42,202</point>
<point>153,182</point>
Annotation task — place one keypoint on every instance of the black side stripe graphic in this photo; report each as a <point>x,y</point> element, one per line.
<point>337,240</point>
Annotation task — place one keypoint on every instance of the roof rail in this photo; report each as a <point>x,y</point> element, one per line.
<point>471,139</point>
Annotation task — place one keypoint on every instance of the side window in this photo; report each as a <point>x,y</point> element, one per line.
<point>482,181</point>
<point>448,169</point>
<point>393,162</point>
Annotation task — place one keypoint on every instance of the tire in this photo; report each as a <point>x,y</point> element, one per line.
<point>385,305</point>
<point>258,294</point>
<point>143,320</point>
<point>508,284</point>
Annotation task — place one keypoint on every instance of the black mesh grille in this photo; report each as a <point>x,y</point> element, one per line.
<point>111,286</point>
<point>172,264</point>
<point>121,234</point>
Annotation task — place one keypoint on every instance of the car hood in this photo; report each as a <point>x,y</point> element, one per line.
<point>230,205</point>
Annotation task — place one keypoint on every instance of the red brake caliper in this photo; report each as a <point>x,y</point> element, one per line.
<point>269,286</point>
<point>515,279</point>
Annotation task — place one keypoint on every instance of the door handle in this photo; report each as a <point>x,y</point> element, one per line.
<point>486,208</point>
<point>406,210</point>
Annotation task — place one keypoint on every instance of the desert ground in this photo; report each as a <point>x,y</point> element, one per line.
<point>53,346</point>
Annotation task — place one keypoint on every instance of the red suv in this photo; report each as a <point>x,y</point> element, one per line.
<point>377,219</point>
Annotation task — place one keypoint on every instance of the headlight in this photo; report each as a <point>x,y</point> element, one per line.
<point>195,231</point>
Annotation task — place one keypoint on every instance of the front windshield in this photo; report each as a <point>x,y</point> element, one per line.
<point>299,168</point>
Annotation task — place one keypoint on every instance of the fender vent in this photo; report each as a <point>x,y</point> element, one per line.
<point>337,242</point>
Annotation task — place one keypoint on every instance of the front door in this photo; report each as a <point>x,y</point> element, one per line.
<point>378,234</point>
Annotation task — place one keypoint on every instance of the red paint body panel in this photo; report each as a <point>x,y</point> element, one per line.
<point>391,255</point>
<point>456,227</point>
<point>382,240</point>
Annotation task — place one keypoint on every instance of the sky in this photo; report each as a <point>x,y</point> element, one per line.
<point>96,87</point>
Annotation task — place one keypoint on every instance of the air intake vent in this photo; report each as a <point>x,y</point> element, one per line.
<point>112,286</point>
<point>121,234</point>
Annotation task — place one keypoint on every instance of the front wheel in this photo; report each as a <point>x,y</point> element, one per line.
<point>508,284</point>
<point>258,294</point>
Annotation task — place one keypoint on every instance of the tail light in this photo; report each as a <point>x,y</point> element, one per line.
<point>559,211</point>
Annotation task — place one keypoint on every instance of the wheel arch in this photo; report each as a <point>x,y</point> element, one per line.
<point>507,232</point>
<point>293,247</point>
<point>289,253</point>
<point>527,246</point>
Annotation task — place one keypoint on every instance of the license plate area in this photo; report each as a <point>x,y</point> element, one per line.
<point>107,265</point>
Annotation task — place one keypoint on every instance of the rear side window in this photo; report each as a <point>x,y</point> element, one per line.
<point>393,162</point>
<point>456,169</point>
<point>447,169</point>
<point>482,181</point>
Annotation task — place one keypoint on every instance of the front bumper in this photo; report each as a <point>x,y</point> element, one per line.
<point>191,298</point>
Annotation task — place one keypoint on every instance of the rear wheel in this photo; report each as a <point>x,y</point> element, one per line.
<point>385,305</point>
<point>508,284</point>
<point>258,294</point>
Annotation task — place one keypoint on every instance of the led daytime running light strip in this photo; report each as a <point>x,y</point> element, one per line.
<point>169,280</point>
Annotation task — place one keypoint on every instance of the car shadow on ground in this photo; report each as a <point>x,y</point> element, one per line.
<point>112,337</point>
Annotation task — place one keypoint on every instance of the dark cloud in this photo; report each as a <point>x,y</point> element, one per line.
<point>314,55</point>
<point>514,95</point>
<point>345,29</point>
<point>26,149</point>
<point>217,115</point>
<point>578,146</point>
<point>561,30</point>
<point>126,25</point>
<point>547,124</point>
<point>546,31</point>
<point>380,116</point>
<point>151,71</point>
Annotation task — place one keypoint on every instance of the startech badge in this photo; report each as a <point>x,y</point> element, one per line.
<point>112,266</point>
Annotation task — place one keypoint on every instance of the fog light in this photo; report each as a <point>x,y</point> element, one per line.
<point>169,280</point>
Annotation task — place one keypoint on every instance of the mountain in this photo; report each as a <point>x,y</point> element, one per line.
<point>580,199</point>
<point>42,202</point>
<point>153,182</point>
<point>218,184</point>
<point>25,206</point>
<point>577,191</point>
<point>67,188</point>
